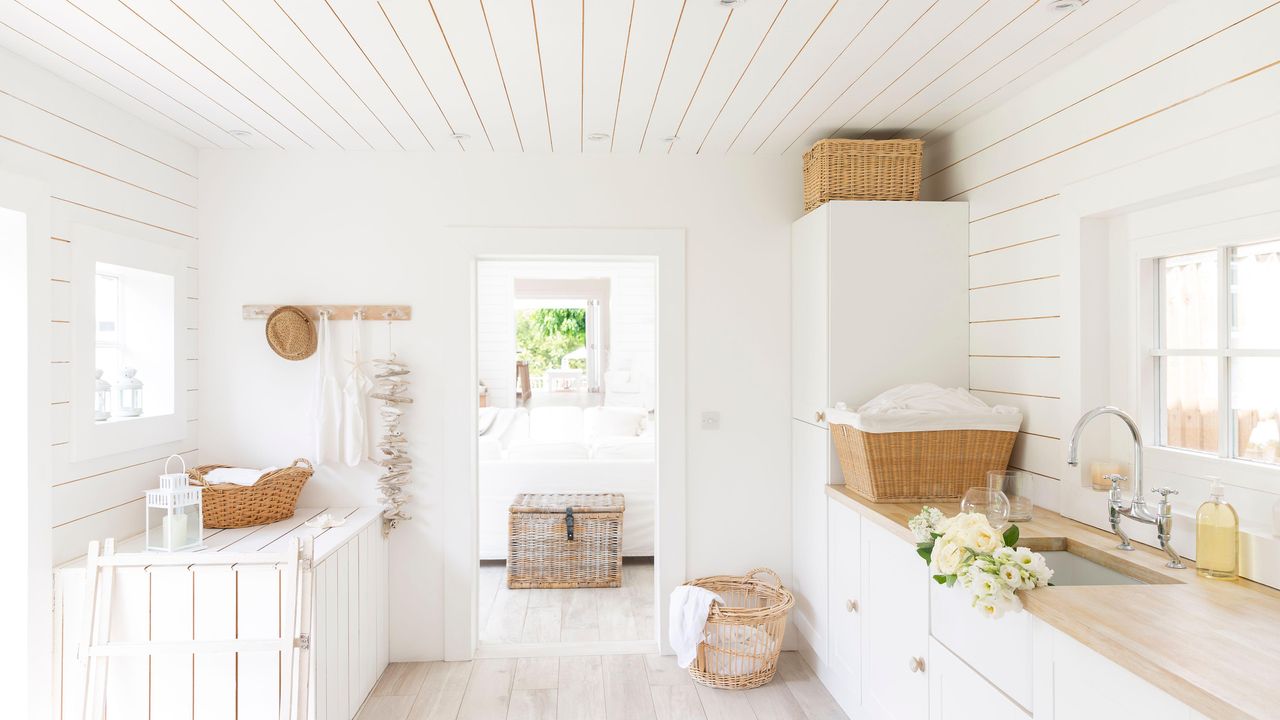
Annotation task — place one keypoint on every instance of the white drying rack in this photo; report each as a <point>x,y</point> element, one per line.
<point>295,562</point>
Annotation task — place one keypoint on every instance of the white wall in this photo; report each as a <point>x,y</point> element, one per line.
<point>1189,72</point>
<point>104,168</point>
<point>629,337</point>
<point>365,228</point>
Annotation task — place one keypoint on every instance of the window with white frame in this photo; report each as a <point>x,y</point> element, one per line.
<point>108,345</point>
<point>1217,351</point>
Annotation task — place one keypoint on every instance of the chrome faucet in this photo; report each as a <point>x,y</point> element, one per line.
<point>1137,509</point>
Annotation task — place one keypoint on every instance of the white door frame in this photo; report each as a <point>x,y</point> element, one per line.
<point>465,246</point>
<point>25,446</point>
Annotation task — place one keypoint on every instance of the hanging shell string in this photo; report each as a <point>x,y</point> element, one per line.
<point>390,386</point>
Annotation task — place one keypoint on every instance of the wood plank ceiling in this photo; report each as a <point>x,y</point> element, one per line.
<point>621,76</point>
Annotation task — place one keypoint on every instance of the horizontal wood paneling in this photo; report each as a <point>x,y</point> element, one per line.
<point>106,170</point>
<point>1189,71</point>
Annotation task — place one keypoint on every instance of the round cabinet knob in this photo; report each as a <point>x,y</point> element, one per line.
<point>851,606</point>
<point>819,416</point>
<point>916,664</point>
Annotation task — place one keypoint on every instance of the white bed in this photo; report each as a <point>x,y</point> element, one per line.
<point>558,449</point>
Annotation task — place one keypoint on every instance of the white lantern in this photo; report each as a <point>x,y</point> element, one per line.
<point>174,512</point>
<point>101,397</point>
<point>129,394</point>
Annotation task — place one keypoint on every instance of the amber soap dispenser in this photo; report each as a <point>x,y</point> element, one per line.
<point>1217,537</point>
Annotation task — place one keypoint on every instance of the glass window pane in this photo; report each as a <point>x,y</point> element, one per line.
<point>1255,295</point>
<point>1190,301</point>
<point>1255,405</point>
<point>1191,403</point>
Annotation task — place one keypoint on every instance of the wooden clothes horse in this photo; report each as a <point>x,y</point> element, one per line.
<point>294,638</point>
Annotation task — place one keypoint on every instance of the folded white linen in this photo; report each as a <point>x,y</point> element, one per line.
<point>926,407</point>
<point>687,617</point>
<point>236,476</point>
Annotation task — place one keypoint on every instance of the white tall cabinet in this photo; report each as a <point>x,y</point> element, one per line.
<point>879,297</point>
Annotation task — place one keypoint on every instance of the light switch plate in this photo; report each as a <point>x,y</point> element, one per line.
<point>711,420</point>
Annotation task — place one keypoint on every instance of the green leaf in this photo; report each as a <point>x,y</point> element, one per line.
<point>1011,536</point>
<point>925,550</point>
<point>940,579</point>
<point>951,580</point>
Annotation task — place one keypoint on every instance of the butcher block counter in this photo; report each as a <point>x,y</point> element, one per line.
<point>1213,645</point>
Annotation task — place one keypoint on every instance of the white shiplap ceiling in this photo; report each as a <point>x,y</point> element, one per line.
<point>765,76</point>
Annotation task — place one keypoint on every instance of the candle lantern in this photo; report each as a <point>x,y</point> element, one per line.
<point>101,397</point>
<point>174,512</point>
<point>129,394</point>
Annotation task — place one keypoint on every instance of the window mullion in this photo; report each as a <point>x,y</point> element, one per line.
<point>1226,441</point>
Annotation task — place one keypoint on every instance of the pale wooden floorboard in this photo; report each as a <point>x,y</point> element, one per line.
<point>489,689</point>
<point>614,687</point>
<point>567,615</point>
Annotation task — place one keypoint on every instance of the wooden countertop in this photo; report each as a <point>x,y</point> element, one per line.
<point>1211,644</point>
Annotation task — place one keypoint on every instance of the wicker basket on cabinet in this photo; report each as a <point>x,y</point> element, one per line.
<point>272,498</point>
<point>925,465</point>
<point>862,170</point>
<point>558,540</point>
<point>743,635</point>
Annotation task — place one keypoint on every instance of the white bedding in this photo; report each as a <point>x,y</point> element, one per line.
<point>925,407</point>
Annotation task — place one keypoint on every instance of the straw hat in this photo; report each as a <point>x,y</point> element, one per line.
<point>291,333</point>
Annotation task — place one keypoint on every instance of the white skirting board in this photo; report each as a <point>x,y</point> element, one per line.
<point>349,626</point>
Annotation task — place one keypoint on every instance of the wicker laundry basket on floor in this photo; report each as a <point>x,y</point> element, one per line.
<point>565,540</point>
<point>272,498</point>
<point>744,635</point>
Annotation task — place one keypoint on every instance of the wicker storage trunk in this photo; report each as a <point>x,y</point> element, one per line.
<point>926,465</point>
<point>565,541</point>
<point>862,170</point>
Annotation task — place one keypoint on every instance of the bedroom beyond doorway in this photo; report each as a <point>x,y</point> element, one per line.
<point>567,450</point>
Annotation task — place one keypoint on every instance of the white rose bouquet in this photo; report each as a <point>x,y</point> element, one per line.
<point>966,549</point>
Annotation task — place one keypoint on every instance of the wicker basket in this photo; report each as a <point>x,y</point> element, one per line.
<point>862,170</point>
<point>926,465</point>
<point>565,541</point>
<point>274,497</point>
<point>744,635</point>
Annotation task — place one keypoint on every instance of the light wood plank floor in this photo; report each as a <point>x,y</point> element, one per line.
<point>569,615</point>
<point>612,687</point>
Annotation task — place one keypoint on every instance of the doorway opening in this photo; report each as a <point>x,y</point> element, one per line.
<point>567,367</point>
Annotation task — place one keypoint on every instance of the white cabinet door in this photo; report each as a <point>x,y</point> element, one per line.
<point>844,558</point>
<point>809,316</point>
<point>809,457</point>
<point>1089,686</point>
<point>895,627</point>
<point>956,692</point>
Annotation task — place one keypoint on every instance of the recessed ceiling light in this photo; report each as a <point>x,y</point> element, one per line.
<point>239,133</point>
<point>732,3</point>
<point>459,136</point>
<point>1065,5</point>
<point>670,139</point>
<point>597,137</point>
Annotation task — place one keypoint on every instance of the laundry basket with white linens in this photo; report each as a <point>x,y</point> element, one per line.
<point>746,617</point>
<point>922,442</point>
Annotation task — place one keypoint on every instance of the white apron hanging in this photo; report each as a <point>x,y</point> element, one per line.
<point>354,391</point>
<point>328,400</point>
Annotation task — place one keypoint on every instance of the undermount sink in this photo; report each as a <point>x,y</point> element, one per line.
<point>1069,569</point>
<point>1077,564</point>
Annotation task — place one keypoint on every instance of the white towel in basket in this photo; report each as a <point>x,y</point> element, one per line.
<point>743,649</point>
<point>687,616</point>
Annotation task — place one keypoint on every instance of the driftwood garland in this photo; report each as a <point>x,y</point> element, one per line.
<point>390,387</point>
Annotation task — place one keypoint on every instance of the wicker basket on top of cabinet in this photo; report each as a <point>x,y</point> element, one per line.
<point>559,540</point>
<point>862,170</point>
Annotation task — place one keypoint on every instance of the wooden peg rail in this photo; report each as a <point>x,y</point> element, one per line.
<point>337,312</point>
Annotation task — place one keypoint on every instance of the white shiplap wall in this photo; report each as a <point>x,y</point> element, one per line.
<point>631,319</point>
<point>109,170</point>
<point>1189,72</point>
